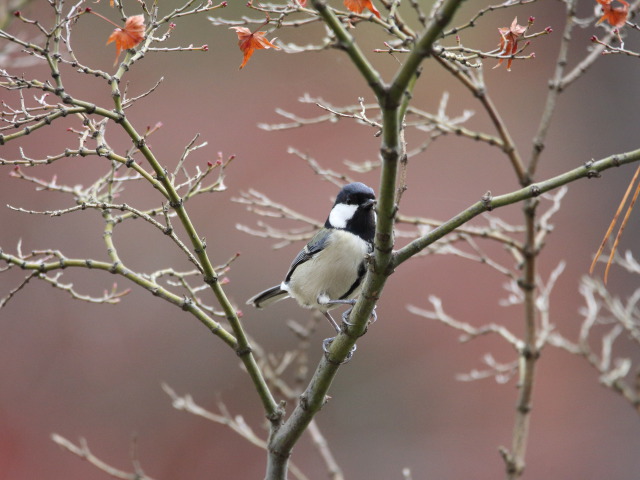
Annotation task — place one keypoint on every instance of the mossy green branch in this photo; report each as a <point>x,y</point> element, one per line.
<point>347,43</point>
<point>243,348</point>
<point>46,120</point>
<point>421,50</point>
<point>394,102</point>
<point>591,169</point>
<point>117,268</point>
<point>162,182</point>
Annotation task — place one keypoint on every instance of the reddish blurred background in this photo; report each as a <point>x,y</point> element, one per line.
<point>82,370</point>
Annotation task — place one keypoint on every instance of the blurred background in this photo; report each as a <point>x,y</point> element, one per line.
<point>95,371</point>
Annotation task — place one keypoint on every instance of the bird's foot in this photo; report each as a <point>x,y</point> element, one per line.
<point>326,343</point>
<point>372,318</point>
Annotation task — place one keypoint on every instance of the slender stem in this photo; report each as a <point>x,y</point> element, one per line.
<point>334,470</point>
<point>243,348</point>
<point>593,55</point>
<point>529,354</point>
<point>348,44</point>
<point>162,182</point>
<point>104,18</point>
<point>393,103</point>
<point>478,90</point>
<point>46,120</point>
<point>555,88</point>
<point>515,460</point>
<point>119,269</point>
<point>588,170</point>
<point>311,401</point>
<point>421,50</point>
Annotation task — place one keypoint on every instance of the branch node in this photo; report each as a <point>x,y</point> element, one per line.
<point>186,304</point>
<point>210,279</point>
<point>176,205</point>
<point>486,201</point>
<point>276,416</point>
<point>278,453</point>
<point>526,286</point>
<point>241,352</point>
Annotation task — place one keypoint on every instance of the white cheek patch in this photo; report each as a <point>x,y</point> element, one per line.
<point>341,214</point>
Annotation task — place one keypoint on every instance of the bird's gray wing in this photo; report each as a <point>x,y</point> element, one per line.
<point>315,245</point>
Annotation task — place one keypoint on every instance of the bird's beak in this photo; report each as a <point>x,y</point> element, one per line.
<point>369,204</point>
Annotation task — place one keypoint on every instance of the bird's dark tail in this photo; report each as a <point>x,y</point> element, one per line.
<point>269,296</point>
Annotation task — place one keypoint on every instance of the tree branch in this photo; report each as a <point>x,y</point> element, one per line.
<point>591,169</point>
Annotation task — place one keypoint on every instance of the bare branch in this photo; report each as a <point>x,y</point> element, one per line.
<point>83,452</point>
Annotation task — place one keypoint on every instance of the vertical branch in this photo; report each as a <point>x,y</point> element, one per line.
<point>393,102</point>
<point>555,88</point>
<point>515,460</point>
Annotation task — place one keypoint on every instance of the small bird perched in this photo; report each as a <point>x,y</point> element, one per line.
<point>329,270</point>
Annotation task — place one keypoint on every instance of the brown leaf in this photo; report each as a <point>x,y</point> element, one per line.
<point>616,16</point>
<point>129,36</point>
<point>622,225</point>
<point>509,41</point>
<point>250,41</point>
<point>357,6</point>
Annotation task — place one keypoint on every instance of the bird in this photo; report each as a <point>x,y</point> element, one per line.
<point>329,270</point>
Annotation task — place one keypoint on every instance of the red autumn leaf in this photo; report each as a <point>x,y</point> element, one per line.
<point>616,16</point>
<point>249,41</point>
<point>509,41</point>
<point>129,36</point>
<point>357,6</point>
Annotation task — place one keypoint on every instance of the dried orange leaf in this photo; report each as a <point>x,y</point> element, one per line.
<point>129,36</point>
<point>616,16</point>
<point>250,41</point>
<point>357,6</point>
<point>622,226</point>
<point>509,41</point>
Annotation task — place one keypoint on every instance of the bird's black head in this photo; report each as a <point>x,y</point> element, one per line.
<point>354,211</point>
